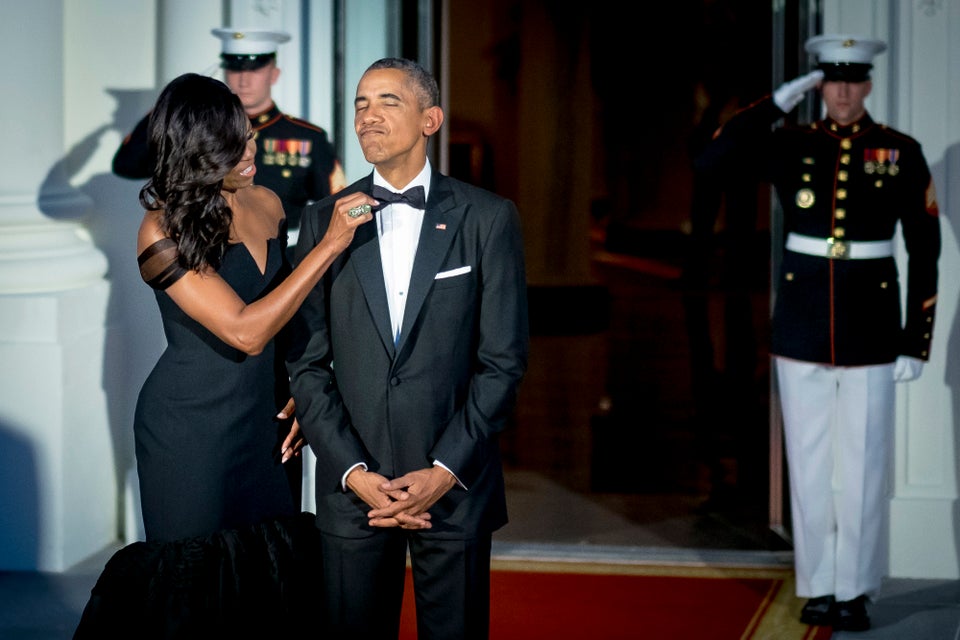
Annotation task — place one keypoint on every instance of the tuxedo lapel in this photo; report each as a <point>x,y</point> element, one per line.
<point>365,260</point>
<point>441,221</point>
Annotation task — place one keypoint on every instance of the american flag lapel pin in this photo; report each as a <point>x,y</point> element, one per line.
<point>441,226</point>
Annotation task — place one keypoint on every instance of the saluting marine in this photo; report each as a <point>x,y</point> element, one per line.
<point>295,159</point>
<point>840,335</point>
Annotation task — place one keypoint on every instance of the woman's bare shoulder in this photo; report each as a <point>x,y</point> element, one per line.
<point>266,201</point>
<point>259,209</point>
<point>150,230</point>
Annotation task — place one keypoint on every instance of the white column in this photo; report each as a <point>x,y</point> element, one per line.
<point>183,44</point>
<point>184,41</point>
<point>58,497</point>
<point>926,96</point>
<point>368,28</point>
<point>916,89</point>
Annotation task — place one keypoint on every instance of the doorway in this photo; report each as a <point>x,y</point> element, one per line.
<point>647,401</point>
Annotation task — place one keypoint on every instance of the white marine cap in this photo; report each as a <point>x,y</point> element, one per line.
<point>845,57</point>
<point>248,48</point>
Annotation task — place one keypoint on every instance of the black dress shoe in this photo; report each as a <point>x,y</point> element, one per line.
<point>852,615</point>
<point>819,611</point>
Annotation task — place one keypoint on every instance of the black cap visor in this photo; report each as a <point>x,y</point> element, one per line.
<point>245,61</point>
<point>845,71</point>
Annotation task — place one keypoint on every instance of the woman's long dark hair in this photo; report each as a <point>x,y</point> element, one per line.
<point>198,133</point>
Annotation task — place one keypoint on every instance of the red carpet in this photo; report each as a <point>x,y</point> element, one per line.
<point>533,600</point>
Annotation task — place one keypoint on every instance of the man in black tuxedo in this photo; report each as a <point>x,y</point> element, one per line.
<point>417,339</point>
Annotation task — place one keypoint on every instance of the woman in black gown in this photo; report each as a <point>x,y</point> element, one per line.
<point>225,546</point>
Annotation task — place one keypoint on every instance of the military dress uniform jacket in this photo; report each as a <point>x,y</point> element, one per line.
<point>840,187</point>
<point>294,159</point>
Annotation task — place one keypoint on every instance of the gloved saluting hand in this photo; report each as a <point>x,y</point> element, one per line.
<point>791,93</point>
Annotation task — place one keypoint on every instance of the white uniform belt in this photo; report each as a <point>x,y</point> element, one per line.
<point>839,249</point>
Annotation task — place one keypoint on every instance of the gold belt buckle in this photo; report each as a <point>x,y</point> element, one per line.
<point>837,249</point>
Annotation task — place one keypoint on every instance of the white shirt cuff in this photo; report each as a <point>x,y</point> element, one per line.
<point>343,479</point>
<point>437,463</point>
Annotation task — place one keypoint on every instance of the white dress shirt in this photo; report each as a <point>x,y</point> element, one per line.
<point>398,227</point>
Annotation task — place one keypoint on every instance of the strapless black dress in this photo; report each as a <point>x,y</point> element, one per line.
<point>207,441</point>
<point>227,553</point>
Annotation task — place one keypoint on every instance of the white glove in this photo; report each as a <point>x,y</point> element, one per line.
<point>906,369</point>
<point>791,93</point>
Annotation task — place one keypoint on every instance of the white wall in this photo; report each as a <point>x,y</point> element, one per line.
<point>117,54</point>
<point>917,90</point>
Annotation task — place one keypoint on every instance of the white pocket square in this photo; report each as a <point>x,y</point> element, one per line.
<point>453,272</point>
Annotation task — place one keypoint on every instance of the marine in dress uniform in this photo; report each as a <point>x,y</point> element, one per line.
<point>840,335</point>
<point>295,158</point>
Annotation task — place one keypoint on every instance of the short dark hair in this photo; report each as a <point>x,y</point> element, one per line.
<point>198,133</point>
<point>424,84</point>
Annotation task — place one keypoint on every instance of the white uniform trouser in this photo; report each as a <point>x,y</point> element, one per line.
<point>838,425</point>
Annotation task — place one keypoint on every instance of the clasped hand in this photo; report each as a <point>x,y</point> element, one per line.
<point>402,502</point>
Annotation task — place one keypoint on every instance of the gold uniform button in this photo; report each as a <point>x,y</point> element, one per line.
<point>845,158</point>
<point>923,353</point>
<point>843,176</point>
<point>878,184</point>
<point>808,160</point>
<point>883,285</point>
<point>855,128</point>
<point>788,276</point>
<point>845,144</point>
<point>839,232</point>
<point>841,194</point>
<point>805,177</point>
<point>840,214</point>
<point>926,336</point>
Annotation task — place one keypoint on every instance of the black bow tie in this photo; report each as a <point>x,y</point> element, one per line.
<point>414,196</point>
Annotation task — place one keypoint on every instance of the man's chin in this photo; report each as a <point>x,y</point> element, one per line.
<point>373,154</point>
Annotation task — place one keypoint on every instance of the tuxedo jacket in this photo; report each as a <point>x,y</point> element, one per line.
<point>446,390</point>
<point>850,183</point>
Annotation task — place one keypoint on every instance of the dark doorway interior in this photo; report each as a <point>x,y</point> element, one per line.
<point>648,388</point>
